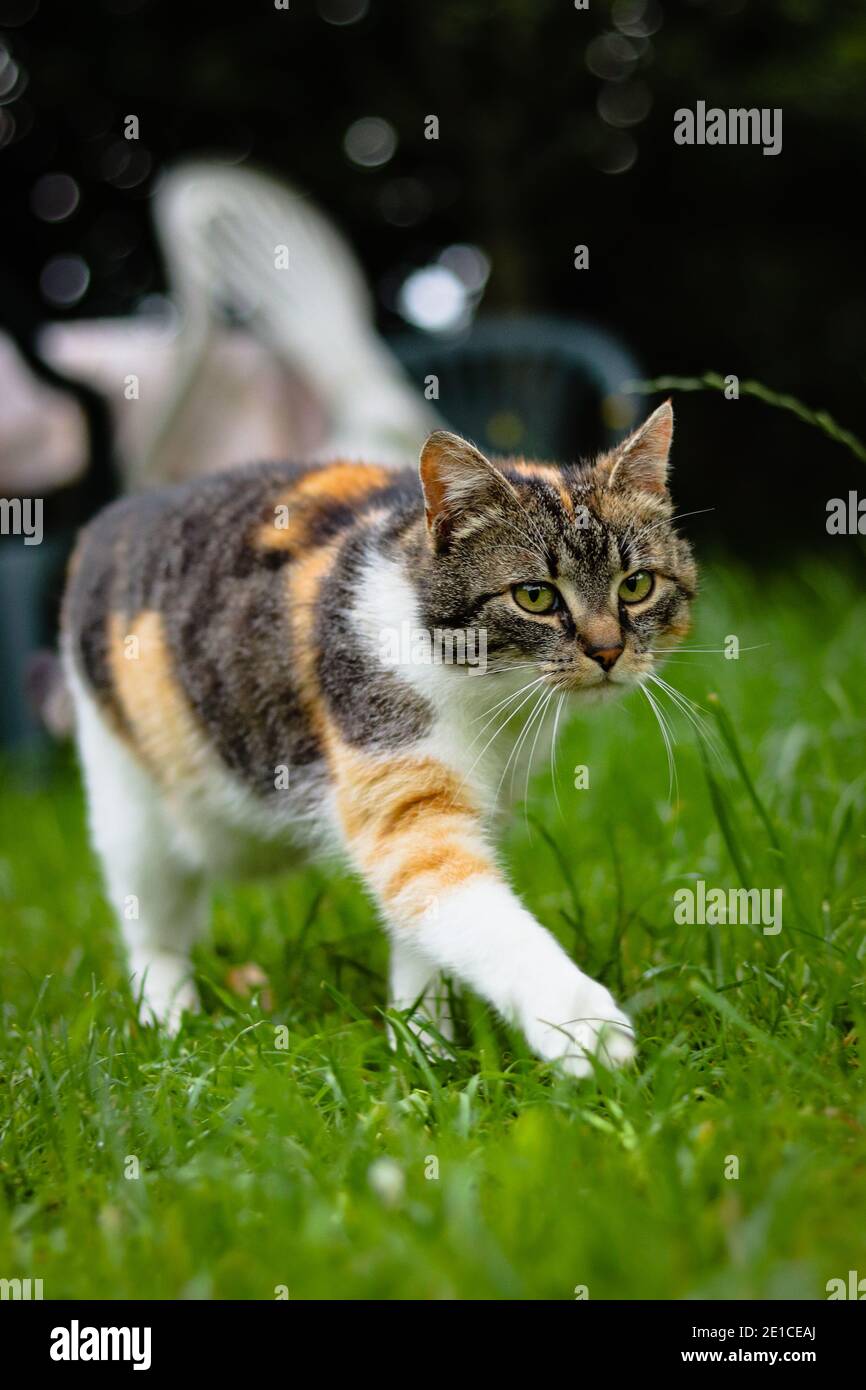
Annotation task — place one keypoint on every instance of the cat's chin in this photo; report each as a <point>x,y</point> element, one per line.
<point>600,692</point>
<point>601,689</point>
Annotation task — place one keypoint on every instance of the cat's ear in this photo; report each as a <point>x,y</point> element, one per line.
<point>458,483</point>
<point>640,463</point>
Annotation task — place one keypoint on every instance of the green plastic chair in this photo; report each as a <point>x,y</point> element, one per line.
<point>545,387</point>
<point>31,578</point>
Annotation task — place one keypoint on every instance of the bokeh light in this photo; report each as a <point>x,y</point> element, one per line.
<point>435,299</point>
<point>343,12</point>
<point>624,104</point>
<point>637,18</point>
<point>54,197</point>
<point>12,81</point>
<point>160,310</point>
<point>64,280</point>
<point>125,164</point>
<point>612,56</point>
<point>370,142</point>
<point>7,128</point>
<point>616,153</point>
<point>469,264</point>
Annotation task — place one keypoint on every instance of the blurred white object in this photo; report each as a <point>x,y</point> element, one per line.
<point>302,373</point>
<point>236,239</point>
<point>240,406</point>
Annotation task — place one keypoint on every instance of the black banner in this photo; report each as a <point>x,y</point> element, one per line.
<point>85,1338</point>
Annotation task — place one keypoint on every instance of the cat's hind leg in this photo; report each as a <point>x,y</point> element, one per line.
<point>159,898</point>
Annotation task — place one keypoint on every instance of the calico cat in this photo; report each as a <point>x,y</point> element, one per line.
<point>223,641</point>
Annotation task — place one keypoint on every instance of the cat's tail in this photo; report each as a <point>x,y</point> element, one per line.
<point>238,242</point>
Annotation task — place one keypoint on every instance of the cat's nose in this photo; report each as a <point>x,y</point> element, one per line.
<point>607,657</point>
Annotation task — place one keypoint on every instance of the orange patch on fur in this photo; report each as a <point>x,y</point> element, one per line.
<point>547,473</point>
<point>304,581</point>
<point>281,531</point>
<point>411,823</point>
<point>447,864</point>
<point>164,729</point>
<point>346,482</point>
<point>384,799</point>
<point>338,482</point>
<point>537,470</point>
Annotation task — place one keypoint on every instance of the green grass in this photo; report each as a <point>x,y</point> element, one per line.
<point>309,1167</point>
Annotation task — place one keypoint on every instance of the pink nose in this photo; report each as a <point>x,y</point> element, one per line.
<point>607,657</point>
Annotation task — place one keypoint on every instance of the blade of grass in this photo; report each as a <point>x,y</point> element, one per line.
<point>725,816</point>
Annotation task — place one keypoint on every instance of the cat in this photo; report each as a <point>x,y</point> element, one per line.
<point>223,643</point>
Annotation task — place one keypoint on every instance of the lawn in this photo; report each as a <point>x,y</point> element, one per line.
<point>277,1145</point>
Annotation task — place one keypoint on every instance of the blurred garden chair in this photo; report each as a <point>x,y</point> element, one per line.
<point>550,388</point>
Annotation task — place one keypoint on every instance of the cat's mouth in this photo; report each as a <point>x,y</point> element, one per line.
<point>596,684</point>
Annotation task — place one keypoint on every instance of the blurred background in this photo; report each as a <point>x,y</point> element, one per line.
<point>553,129</point>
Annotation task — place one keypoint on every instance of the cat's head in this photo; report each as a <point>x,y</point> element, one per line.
<point>576,569</point>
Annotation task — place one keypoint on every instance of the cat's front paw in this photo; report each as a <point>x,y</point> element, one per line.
<point>164,991</point>
<point>578,1023</point>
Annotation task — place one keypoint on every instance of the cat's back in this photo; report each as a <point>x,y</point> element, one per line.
<point>218,528</point>
<point>187,609</point>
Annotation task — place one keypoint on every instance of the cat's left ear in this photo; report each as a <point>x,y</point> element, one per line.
<point>641,461</point>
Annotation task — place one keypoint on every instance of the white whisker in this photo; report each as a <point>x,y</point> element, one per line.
<point>676,651</point>
<point>512,756</point>
<point>498,730</point>
<point>545,707</point>
<point>553,753</point>
<point>694,713</point>
<point>667,738</point>
<point>500,704</point>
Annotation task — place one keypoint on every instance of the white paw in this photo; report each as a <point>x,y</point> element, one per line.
<point>167,992</point>
<point>429,1021</point>
<point>577,1024</point>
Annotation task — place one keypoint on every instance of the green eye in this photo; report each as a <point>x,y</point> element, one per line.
<point>637,586</point>
<point>536,598</point>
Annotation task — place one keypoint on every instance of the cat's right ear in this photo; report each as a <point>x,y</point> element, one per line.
<point>458,482</point>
